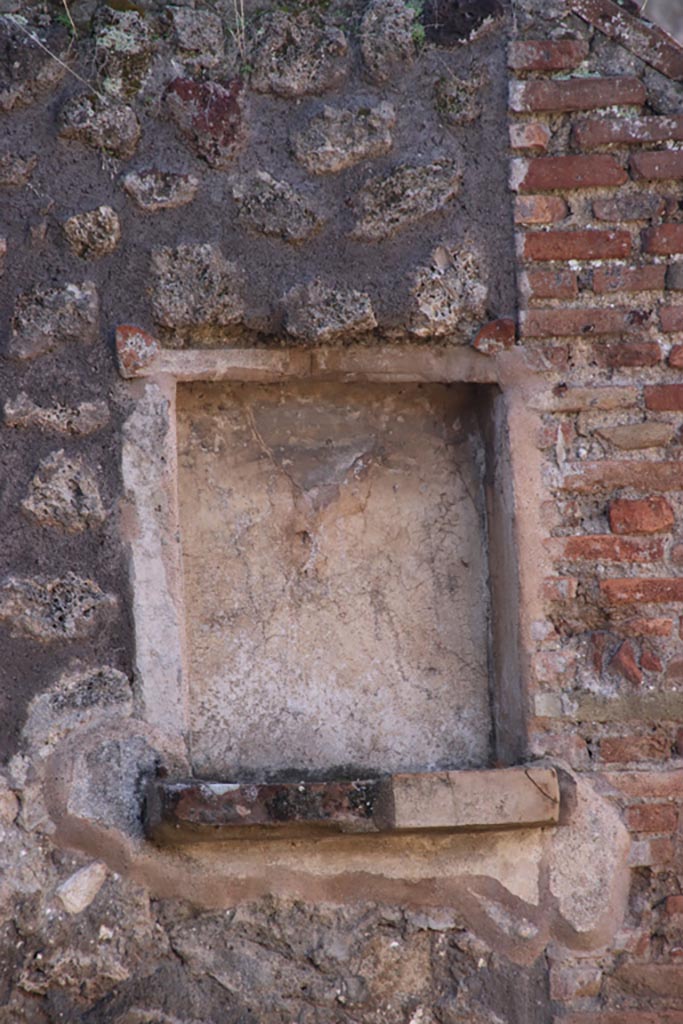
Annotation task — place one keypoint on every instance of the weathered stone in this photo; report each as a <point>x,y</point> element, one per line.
<point>64,493</point>
<point>78,891</point>
<point>293,55</point>
<point>389,34</point>
<point>27,69</point>
<point>458,100</point>
<point>403,197</point>
<point>79,695</point>
<point>195,285</point>
<point>199,34</point>
<point>210,115</point>
<point>66,608</point>
<point>123,50</point>
<point>44,319</point>
<point>160,190</point>
<point>105,125</point>
<point>319,313</point>
<point>14,170</point>
<point>336,139</point>
<point>495,337</point>
<point>633,436</point>
<point>80,420</point>
<point>449,294</point>
<point>93,234</point>
<point>135,349</point>
<point>274,208</point>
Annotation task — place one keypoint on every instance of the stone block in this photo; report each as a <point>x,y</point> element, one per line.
<point>318,313</point>
<point>53,610</point>
<point>93,234</point>
<point>273,208</point>
<point>403,197</point>
<point>194,285</point>
<point>46,318</point>
<point>160,190</point>
<point>102,124</point>
<point>297,54</point>
<point>64,492</point>
<point>210,115</point>
<point>336,139</point>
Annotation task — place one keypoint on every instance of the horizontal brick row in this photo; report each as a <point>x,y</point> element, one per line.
<point>574,94</point>
<point>547,55</point>
<point>599,131</point>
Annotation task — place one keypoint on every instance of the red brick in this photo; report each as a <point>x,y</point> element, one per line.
<point>643,591</point>
<point>608,474</point>
<point>647,627</point>
<point>606,547</point>
<point>599,131</point>
<point>650,784</point>
<point>673,905</point>
<point>577,94</point>
<point>649,42</point>
<point>664,397</point>
<point>652,818</point>
<point>661,165</point>
<point>649,661</point>
<point>541,323</point>
<point>567,983</point>
<point>640,515</point>
<point>664,240</point>
<point>578,245</point>
<point>625,663</point>
<point>534,135</point>
<point>617,354</point>
<point>568,172</point>
<point>629,279</point>
<point>495,336</point>
<point>672,319</point>
<point>540,209</point>
<point>629,206</point>
<point>547,55</point>
<point>552,284</point>
<point>676,357</point>
<point>624,749</point>
<point>650,979</point>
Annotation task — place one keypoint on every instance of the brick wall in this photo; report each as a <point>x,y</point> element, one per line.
<point>597,173</point>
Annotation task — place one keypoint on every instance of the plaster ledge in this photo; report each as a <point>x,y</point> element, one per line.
<point>454,801</point>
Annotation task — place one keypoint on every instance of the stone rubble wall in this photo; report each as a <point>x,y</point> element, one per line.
<point>188,180</point>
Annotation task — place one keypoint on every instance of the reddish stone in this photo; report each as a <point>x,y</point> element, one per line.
<point>135,349</point>
<point>495,337</point>
<point>605,547</point>
<point>664,240</point>
<point>608,474</point>
<point>643,591</point>
<point>568,172</point>
<point>672,319</point>
<point>534,135</point>
<point>552,284</point>
<point>626,664</point>
<point>623,749</point>
<point>540,209</point>
<point>540,323</point>
<point>661,165</point>
<point>630,206</point>
<point>599,131</point>
<point>584,244</point>
<point>629,279</point>
<point>211,115</point>
<point>640,515</point>
<point>600,645</point>
<point>673,905</point>
<point>652,818</point>
<point>617,354</point>
<point>676,357</point>
<point>578,94</point>
<point>649,661</point>
<point>547,55</point>
<point>647,627</point>
<point>664,397</point>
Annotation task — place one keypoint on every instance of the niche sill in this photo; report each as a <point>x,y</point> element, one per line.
<point>195,810</point>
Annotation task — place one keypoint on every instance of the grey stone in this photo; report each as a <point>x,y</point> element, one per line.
<point>160,190</point>
<point>79,420</point>
<point>293,55</point>
<point>458,100</point>
<point>449,294</point>
<point>46,318</point>
<point>28,70</point>
<point>64,608</point>
<point>274,208</point>
<point>674,277</point>
<point>14,170</point>
<point>123,51</point>
<point>93,234</point>
<point>198,34</point>
<point>319,313</point>
<point>406,195</point>
<point>336,139</point>
<point>106,125</point>
<point>64,493</point>
<point>388,35</point>
<point>194,285</point>
<point>80,694</point>
<point>77,892</point>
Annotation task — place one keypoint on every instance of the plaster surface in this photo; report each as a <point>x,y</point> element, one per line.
<point>335,578</point>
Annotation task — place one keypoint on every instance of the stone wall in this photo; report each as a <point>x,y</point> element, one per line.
<point>321,178</point>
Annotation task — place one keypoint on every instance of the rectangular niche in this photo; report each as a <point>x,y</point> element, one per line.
<point>335,559</point>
